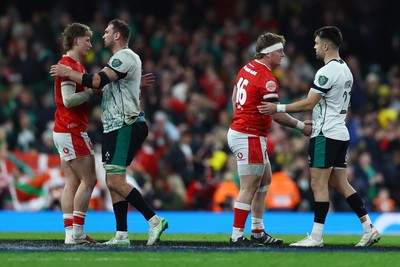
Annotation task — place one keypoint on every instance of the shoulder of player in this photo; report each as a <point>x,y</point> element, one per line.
<point>125,55</point>
<point>73,64</point>
<point>126,52</point>
<point>330,68</point>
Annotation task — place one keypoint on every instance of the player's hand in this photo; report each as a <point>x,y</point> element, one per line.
<point>147,79</point>
<point>267,108</point>
<point>307,128</point>
<point>308,122</point>
<point>98,92</point>
<point>60,70</point>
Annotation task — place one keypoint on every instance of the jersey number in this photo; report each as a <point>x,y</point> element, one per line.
<point>241,93</point>
<point>346,98</point>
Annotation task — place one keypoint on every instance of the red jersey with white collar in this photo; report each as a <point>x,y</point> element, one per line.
<point>255,83</point>
<point>73,119</point>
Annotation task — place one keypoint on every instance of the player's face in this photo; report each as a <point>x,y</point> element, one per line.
<point>276,57</point>
<point>84,45</point>
<point>108,37</point>
<point>318,46</point>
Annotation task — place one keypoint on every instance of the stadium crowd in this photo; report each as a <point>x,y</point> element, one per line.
<point>195,49</point>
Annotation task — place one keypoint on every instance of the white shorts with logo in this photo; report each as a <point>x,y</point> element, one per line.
<point>250,152</point>
<point>71,145</point>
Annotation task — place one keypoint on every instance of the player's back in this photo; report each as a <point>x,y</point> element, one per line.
<point>254,83</point>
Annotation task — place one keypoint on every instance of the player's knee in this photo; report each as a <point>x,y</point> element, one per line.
<point>92,182</point>
<point>115,176</point>
<point>111,184</point>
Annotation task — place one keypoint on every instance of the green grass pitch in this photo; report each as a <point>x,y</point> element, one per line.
<point>338,251</point>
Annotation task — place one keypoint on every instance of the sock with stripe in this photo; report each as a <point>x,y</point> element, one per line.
<point>78,223</point>
<point>68,222</point>
<point>240,213</point>
<point>257,227</point>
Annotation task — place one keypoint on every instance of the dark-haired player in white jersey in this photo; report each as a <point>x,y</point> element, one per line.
<point>124,126</point>
<point>329,99</point>
<point>247,138</point>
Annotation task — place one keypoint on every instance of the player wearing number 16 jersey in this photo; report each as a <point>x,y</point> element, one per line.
<point>247,137</point>
<point>255,83</point>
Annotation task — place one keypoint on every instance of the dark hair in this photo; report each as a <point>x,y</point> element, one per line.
<point>121,27</point>
<point>72,31</point>
<point>330,33</point>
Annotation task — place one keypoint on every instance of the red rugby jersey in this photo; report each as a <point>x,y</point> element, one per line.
<point>255,83</point>
<point>73,119</point>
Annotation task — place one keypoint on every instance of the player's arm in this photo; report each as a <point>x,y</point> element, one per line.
<point>299,106</point>
<point>70,97</point>
<point>288,121</point>
<point>302,105</point>
<point>96,80</point>
<point>233,99</point>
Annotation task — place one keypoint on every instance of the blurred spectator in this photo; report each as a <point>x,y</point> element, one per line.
<point>371,176</point>
<point>180,157</point>
<point>283,193</point>
<point>26,134</point>
<point>225,194</point>
<point>164,133</point>
<point>383,202</point>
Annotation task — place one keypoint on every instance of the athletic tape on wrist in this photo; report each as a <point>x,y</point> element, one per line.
<point>300,125</point>
<point>280,108</point>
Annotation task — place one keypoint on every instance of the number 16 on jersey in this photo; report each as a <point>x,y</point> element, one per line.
<point>241,93</point>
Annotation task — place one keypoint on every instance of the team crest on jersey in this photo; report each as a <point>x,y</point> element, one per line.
<point>116,63</point>
<point>271,86</point>
<point>322,80</point>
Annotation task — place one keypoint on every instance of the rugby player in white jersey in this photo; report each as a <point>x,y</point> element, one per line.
<point>329,99</point>
<point>124,127</point>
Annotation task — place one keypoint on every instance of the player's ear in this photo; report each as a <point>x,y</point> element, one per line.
<point>117,35</point>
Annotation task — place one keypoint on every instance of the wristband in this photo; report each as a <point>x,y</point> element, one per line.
<point>300,125</point>
<point>280,108</point>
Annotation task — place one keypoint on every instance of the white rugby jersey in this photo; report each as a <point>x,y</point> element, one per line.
<point>333,82</point>
<point>121,98</point>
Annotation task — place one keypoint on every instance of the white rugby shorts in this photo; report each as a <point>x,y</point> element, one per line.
<point>250,152</point>
<point>71,146</point>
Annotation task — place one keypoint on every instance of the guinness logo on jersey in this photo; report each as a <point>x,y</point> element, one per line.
<point>271,86</point>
